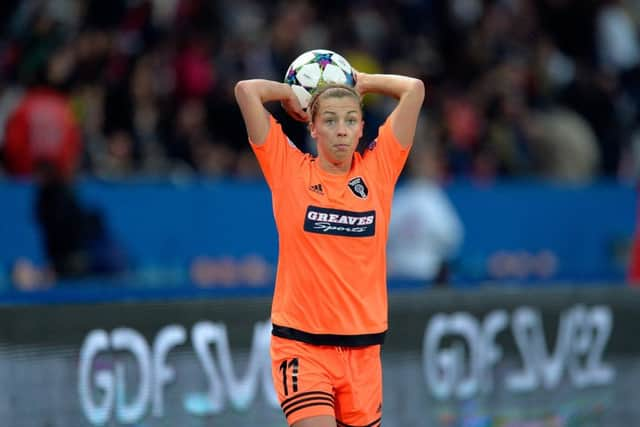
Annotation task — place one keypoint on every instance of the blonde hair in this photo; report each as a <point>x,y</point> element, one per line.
<point>332,90</point>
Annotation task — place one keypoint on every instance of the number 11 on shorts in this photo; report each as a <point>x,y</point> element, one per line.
<point>293,365</point>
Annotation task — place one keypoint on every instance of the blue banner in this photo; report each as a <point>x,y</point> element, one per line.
<point>222,234</point>
<point>544,232</point>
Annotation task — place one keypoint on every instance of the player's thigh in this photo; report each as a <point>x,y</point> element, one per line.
<point>302,381</point>
<point>319,421</point>
<point>359,397</point>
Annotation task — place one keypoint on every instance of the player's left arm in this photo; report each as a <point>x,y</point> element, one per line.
<point>408,91</point>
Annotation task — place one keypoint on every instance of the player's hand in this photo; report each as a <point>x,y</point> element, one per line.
<point>292,106</point>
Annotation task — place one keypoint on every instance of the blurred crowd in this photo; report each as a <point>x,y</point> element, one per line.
<point>516,88</point>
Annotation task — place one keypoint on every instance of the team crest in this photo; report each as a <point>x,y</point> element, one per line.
<point>358,187</point>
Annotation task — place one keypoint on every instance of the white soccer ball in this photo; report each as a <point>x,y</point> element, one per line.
<point>314,69</point>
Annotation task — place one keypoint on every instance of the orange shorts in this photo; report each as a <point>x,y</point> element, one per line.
<point>343,382</point>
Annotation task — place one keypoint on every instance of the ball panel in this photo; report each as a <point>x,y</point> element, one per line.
<point>322,52</point>
<point>290,77</point>
<point>301,60</point>
<point>342,63</point>
<point>334,74</point>
<point>302,94</point>
<point>309,75</point>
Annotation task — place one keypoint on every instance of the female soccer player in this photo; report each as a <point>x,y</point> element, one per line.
<point>329,310</point>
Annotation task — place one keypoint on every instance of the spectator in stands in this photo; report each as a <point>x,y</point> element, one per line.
<point>195,48</point>
<point>564,145</point>
<point>76,238</point>
<point>43,127</point>
<point>42,142</point>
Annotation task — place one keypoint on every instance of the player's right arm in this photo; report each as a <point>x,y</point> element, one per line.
<point>251,96</point>
<point>408,91</point>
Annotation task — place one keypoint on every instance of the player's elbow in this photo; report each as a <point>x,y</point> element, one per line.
<point>247,94</point>
<point>242,90</point>
<point>417,89</point>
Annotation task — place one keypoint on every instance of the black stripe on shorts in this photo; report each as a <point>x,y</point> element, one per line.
<point>305,400</point>
<point>328,339</point>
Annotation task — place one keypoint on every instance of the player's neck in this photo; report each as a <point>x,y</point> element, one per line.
<point>335,168</point>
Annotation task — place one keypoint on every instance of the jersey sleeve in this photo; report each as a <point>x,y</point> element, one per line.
<point>275,154</point>
<point>386,155</point>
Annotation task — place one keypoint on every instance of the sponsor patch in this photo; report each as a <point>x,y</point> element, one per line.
<point>340,223</point>
<point>358,187</point>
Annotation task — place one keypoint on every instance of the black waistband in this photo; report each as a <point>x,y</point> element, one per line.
<point>328,339</point>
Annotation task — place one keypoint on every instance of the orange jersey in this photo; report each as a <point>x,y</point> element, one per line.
<point>331,278</point>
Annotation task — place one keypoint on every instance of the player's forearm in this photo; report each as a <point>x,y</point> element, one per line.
<point>392,85</point>
<point>263,90</point>
<point>407,90</point>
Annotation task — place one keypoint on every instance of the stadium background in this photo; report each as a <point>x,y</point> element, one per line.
<point>136,290</point>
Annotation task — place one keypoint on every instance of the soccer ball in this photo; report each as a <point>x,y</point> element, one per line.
<point>315,68</point>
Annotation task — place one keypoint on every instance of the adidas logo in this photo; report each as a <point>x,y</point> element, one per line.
<point>316,188</point>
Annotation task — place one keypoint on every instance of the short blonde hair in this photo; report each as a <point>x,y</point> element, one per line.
<point>332,90</point>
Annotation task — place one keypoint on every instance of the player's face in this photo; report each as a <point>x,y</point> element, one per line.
<point>337,127</point>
